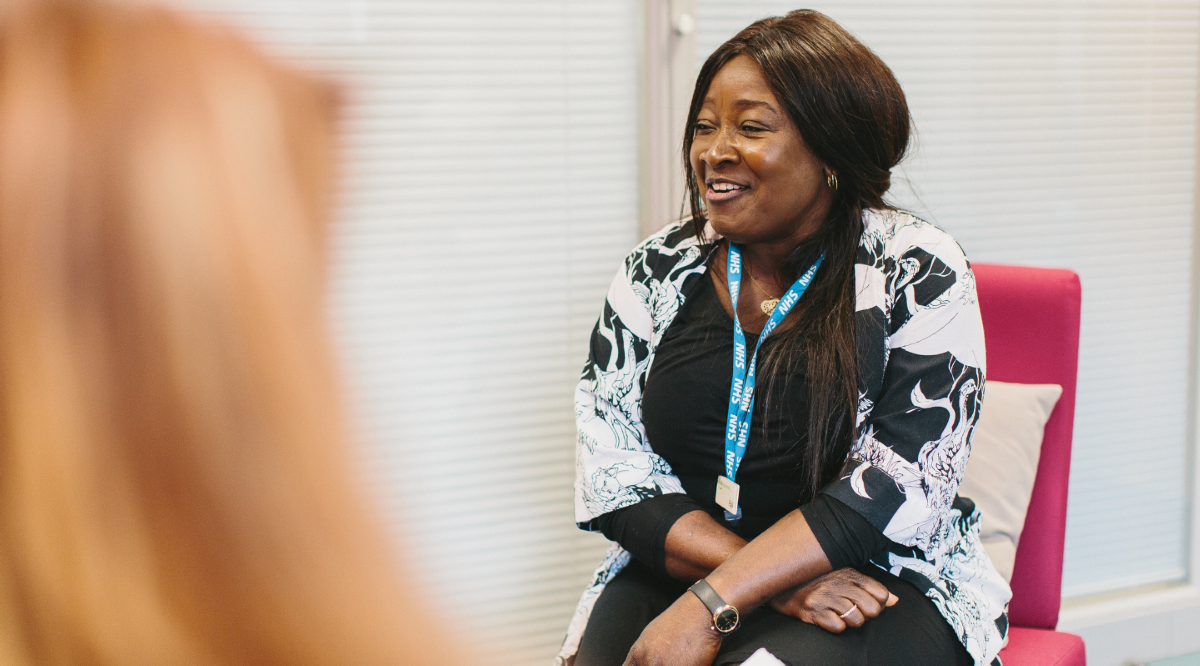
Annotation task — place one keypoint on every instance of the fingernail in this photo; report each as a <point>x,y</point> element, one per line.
<point>892,599</point>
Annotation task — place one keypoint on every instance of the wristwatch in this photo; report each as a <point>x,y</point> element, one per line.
<point>725,618</point>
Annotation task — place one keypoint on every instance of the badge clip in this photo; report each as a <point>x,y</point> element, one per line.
<point>727,497</point>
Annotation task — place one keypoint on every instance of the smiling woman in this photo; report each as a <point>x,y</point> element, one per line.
<point>821,521</point>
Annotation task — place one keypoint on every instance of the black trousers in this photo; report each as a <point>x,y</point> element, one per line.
<point>911,633</point>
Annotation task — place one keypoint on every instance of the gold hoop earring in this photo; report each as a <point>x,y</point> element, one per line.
<point>831,181</point>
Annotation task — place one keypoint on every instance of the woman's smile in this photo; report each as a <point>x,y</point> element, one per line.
<point>723,190</point>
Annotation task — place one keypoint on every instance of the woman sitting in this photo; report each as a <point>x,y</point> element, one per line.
<point>780,393</point>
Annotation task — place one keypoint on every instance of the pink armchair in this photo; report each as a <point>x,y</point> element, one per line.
<point>1031,327</point>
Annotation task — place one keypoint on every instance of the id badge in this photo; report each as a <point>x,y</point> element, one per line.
<point>727,495</point>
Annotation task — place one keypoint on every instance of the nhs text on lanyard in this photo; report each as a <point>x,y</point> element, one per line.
<point>741,391</point>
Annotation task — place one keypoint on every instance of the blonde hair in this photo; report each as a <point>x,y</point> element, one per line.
<point>175,481</point>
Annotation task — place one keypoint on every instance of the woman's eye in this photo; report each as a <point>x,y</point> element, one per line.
<point>703,128</point>
<point>753,128</point>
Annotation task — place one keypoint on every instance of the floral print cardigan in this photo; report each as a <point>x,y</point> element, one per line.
<point>922,365</point>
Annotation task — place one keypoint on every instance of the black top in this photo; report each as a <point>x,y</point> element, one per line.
<point>686,402</point>
<point>684,408</point>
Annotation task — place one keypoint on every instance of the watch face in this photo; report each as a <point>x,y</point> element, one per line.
<point>725,619</point>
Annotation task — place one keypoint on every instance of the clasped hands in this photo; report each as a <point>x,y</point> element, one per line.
<point>683,634</point>
<point>839,599</point>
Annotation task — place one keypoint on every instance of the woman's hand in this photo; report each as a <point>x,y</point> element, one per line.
<point>681,636</point>
<point>826,600</point>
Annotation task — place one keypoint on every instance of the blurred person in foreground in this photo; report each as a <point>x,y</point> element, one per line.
<point>176,485</point>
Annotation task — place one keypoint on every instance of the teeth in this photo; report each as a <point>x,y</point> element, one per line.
<point>725,187</point>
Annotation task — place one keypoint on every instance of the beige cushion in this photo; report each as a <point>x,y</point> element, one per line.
<point>1003,463</point>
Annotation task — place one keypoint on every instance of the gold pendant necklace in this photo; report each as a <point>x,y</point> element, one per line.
<point>767,306</point>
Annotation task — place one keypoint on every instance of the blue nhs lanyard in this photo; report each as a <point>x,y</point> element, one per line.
<point>741,390</point>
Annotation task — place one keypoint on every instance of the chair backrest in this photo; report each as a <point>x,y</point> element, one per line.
<point>1031,330</point>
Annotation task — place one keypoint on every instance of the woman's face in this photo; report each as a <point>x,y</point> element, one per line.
<point>760,181</point>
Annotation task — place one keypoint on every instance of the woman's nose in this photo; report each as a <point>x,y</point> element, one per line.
<point>720,150</point>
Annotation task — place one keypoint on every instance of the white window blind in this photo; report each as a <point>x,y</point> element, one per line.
<point>490,194</point>
<point>1063,134</point>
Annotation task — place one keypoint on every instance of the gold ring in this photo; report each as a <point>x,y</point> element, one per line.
<point>853,608</point>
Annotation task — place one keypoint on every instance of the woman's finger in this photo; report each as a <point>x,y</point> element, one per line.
<point>873,587</point>
<point>868,606</point>
<point>829,621</point>
<point>853,616</point>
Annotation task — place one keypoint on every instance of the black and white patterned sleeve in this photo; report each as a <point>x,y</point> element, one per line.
<point>918,315</point>
<point>614,464</point>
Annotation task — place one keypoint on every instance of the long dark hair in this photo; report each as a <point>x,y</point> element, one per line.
<point>852,113</point>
